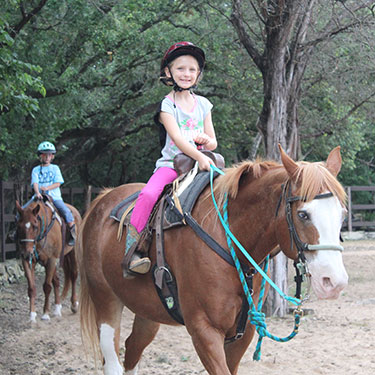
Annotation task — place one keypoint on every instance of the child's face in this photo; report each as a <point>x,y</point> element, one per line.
<point>46,158</point>
<point>185,71</point>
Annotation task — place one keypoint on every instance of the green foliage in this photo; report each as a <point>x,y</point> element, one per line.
<point>17,77</point>
<point>85,76</point>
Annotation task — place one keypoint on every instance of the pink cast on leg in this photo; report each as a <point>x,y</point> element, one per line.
<point>149,195</point>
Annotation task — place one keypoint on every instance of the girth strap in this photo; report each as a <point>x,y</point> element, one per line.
<point>160,261</point>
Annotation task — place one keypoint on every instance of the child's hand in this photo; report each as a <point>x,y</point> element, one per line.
<point>204,162</point>
<point>202,139</point>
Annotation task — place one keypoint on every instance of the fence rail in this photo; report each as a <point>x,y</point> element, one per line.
<point>85,195</point>
<point>9,191</point>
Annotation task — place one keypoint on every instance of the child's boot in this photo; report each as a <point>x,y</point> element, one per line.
<point>72,236</point>
<point>136,263</point>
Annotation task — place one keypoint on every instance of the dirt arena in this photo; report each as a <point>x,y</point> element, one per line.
<point>338,338</point>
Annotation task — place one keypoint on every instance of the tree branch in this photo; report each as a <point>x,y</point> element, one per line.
<point>26,17</point>
<point>236,19</point>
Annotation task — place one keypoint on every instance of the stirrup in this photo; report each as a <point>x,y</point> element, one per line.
<point>139,265</point>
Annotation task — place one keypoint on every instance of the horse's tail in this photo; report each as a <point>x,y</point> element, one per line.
<point>89,328</point>
<point>70,268</point>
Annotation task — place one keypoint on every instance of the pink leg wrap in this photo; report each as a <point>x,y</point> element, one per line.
<point>149,195</point>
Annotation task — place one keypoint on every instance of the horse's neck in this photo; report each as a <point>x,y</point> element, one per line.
<point>252,219</point>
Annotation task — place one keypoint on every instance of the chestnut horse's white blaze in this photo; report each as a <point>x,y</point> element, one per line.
<point>328,274</point>
<point>112,365</point>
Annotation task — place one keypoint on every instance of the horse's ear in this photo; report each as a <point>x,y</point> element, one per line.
<point>19,208</point>
<point>289,164</point>
<point>36,210</point>
<point>334,161</point>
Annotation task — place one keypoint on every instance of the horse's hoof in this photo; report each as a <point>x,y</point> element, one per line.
<point>74,307</point>
<point>32,317</point>
<point>46,318</point>
<point>57,311</point>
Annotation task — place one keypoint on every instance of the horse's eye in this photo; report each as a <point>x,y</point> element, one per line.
<point>303,215</point>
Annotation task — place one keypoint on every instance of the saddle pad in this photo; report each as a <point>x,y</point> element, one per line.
<point>119,210</point>
<point>187,199</point>
<point>189,196</point>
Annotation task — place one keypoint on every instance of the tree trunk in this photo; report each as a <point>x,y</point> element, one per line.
<point>275,305</point>
<point>282,65</point>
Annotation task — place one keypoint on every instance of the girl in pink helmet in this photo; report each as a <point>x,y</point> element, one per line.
<point>186,122</point>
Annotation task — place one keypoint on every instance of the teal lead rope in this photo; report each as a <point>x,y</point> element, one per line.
<point>256,317</point>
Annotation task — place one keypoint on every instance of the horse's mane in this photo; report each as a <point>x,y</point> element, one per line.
<point>314,178</point>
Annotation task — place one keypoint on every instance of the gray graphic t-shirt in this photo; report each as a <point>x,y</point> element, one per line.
<point>190,124</point>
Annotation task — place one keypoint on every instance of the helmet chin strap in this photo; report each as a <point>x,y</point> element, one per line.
<point>179,89</point>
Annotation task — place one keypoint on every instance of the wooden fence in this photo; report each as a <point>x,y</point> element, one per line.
<point>80,198</point>
<point>356,220</point>
<point>10,191</point>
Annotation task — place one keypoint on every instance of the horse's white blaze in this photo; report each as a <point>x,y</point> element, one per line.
<point>328,274</point>
<point>58,309</point>
<point>28,225</point>
<point>32,317</point>
<point>112,365</point>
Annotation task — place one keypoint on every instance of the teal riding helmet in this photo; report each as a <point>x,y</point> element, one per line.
<point>46,148</point>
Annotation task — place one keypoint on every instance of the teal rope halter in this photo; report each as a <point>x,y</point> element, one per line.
<point>256,317</point>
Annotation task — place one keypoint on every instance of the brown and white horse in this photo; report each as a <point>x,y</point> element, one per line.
<point>209,289</point>
<point>40,241</point>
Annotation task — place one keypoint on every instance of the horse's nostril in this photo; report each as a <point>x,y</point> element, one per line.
<point>327,282</point>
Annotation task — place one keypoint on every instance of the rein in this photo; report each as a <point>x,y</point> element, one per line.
<point>256,317</point>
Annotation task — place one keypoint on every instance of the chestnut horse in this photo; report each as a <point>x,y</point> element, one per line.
<point>209,288</point>
<point>39,237</point>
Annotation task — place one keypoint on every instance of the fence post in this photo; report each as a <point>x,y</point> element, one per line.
<point>2,223</point>
<point>350,228</point>
<point>87,197</point>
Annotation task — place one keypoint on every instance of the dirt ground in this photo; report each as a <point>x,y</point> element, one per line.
<point>337,338</point>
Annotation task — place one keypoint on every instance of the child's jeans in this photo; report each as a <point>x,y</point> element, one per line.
<point>64,210</point>
<point>149,195</point>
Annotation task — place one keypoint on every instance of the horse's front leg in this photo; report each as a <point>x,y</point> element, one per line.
<point>209,344</point>
<point>51,277</point>
<point>235,350</point>
<point>31,289</point>
<point>142,334</point>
